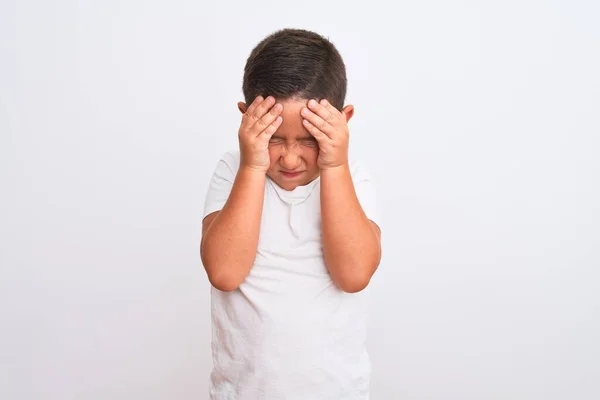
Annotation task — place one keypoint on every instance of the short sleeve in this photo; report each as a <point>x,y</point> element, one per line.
<point>221,183</point>
<point>366,192</point>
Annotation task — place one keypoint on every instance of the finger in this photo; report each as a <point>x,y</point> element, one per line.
<point>318,122</point>
<point>267,119</point>
<point>315,132</point>
<point>261,109</point>
<point>272,128</point>
<point>325,110</point>
<point>255,103</point>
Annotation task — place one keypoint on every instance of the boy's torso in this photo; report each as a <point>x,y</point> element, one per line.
<point>288,332</point>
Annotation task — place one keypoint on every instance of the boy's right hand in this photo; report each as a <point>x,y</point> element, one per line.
<point>259,123</point>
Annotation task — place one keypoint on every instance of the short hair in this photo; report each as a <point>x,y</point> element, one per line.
<point>295,63</point>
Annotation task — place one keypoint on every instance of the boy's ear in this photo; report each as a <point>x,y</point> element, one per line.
<point>348,111</point>
<point>242,107</point>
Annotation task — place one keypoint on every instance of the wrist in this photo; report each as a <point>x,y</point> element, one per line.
<point>251,171</point>
<point>336,169</point>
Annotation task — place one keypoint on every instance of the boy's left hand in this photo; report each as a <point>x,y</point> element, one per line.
<point>329,127</point>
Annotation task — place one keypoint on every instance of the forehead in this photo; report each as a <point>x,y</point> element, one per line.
<point>291,126</point>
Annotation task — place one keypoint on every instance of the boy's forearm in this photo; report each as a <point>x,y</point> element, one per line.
<point>351,245</point>
<point>229,245</point>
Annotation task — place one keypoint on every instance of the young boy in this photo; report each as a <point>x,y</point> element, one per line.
<point>290,234</point>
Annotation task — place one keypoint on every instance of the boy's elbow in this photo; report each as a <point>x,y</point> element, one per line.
<point>224,284</point>
<point>355,281</point>
<point>219,280</point>
<point>353,284</point>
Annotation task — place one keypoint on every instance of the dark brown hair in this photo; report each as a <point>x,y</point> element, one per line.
<point>295,63</point>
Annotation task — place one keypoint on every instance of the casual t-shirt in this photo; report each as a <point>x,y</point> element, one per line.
<point>288,332</point>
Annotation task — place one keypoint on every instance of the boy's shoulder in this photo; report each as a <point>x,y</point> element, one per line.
<point>231,157</point>
<point>229,161</point>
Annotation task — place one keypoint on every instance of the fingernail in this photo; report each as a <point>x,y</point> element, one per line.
<point>305,111</point>
<point>312,103</point>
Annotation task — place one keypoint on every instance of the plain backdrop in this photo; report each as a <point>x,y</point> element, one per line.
<point>480,121</point>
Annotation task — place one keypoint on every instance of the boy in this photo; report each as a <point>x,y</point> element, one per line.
<point>290,234</point>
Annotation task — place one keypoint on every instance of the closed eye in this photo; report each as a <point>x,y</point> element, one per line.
<point>309,142</point>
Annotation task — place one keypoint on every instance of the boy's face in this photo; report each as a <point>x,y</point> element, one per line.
<point>293,151</point>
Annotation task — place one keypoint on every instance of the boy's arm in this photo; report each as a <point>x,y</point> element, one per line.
<point>230,236</point>
<point>351,242</point>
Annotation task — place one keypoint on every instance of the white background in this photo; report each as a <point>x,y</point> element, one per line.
<point>479,120</point>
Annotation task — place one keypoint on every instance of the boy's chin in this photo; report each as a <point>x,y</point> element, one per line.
<point>292,183</point>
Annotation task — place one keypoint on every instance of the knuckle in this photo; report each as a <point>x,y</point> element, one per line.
<point>261,124</point>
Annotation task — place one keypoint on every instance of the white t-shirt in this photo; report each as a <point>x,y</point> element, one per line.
<point>288,332</point>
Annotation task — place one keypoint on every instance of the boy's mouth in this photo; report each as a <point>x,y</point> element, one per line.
<point>290,174</point>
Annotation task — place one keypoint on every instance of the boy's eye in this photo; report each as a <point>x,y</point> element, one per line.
<point>275,141</point>
<point>309,142</point>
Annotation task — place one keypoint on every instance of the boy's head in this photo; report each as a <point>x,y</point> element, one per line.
<point>294,66</point>
<point>295,63</point>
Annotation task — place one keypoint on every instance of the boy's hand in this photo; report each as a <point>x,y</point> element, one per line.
<point>328,126</point>
<point>259,123</point>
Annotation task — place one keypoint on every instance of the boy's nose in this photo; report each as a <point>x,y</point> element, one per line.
<point>290,161</point>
